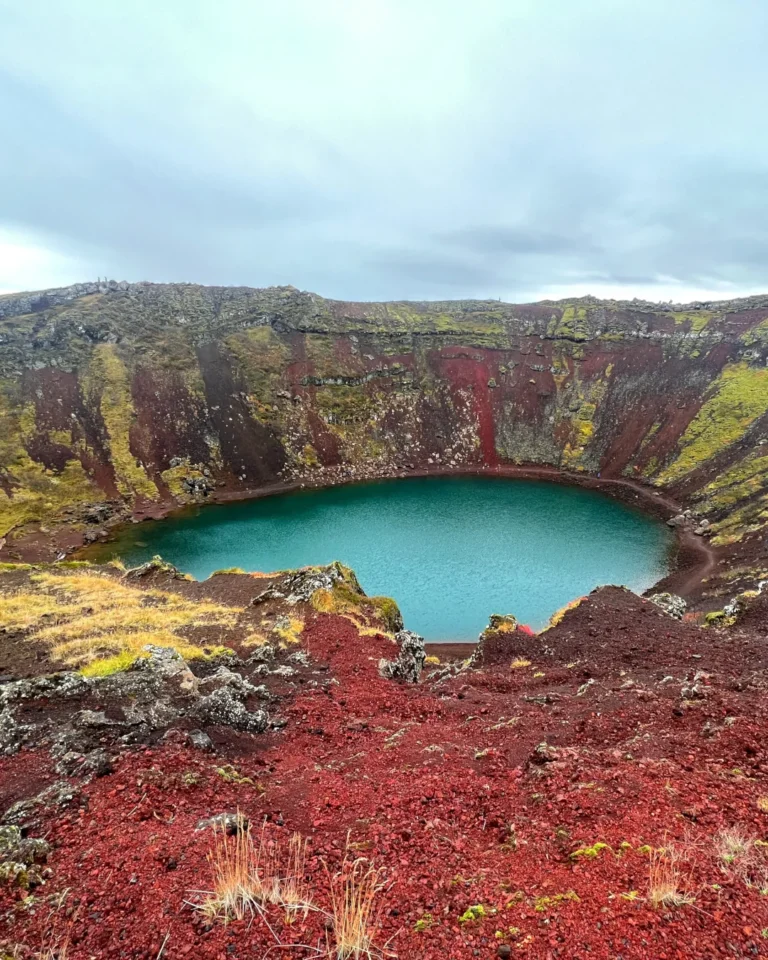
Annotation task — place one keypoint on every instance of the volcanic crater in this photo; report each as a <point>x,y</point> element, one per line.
<point>594,789</point>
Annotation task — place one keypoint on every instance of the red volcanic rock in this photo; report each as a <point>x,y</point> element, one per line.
<point>553,857</point>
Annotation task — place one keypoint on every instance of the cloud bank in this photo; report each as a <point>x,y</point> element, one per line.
<point>390,149</point>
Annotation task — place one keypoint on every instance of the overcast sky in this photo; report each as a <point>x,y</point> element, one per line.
<point>388,149</point>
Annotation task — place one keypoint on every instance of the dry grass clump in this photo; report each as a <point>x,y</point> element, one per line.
<point>355,909</point>
<point>289,629</point>
<point>762,804</point>
<point>235,892</point>
<point>85,617</point>
<point>251,873</point>
<point>742,856</point>
<point>665,879</point>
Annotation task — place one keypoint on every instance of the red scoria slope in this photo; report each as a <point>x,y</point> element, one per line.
<point>536,789</point>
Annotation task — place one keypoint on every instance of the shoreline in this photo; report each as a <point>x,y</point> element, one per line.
<point>693,558</point>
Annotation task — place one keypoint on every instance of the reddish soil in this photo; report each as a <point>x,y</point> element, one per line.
<point>654,734</point>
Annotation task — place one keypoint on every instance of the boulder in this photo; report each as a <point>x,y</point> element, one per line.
<point>670,603</point>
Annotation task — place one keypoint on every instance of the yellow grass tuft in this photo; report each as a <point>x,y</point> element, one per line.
<point>355,909</point>
<point>87,618</point>
<point>289,629</point>
<point>235,893</point>
<point>664,880</point>
<point>250,874</point>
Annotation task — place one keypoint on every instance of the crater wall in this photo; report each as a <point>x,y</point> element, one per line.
<point>123,398</point>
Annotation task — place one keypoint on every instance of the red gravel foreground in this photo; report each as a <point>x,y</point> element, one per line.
<point>537,793</point>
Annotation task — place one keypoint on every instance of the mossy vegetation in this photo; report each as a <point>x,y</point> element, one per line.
<point>388,612</point>
<point>476,912</point>
<point>694,320</point>
<point>108,379</point>
<point>584,401</point>
<point>572,324</point>
<point>262,357</point>
<point>738,397</point>
<point>29,492</point>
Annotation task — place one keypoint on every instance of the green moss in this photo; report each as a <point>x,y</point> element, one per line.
<point>585,398</point>
<point>590,853</point>
<point>572,324</point>
<point>107,379</point>
<point>35,494</point>
<point>388,611</point>
<point>739,396</point>
<point>231,774</point>
<point>740,481</point>
<point>757,336</point>
<point>308,456</point>
<point>542,904</point>
<point>263,358</point>
<point>174,478</point>
<point>424,923</point>
<point>471,914</point>
<point>108,666</point>
<point>344,404</point>
<point>695,320</point>
<point>223,570</point>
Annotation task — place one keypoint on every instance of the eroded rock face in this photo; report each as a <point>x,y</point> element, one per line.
<point>410,660</point>
<point>278,386</point>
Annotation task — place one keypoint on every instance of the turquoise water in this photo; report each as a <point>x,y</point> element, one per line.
<point>450,550</point>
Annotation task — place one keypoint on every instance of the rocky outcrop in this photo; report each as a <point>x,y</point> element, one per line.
<point>159,691</point>
<point>670,603</point>
<point>409,663</point>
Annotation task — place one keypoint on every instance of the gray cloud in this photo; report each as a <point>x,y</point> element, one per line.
<point>393,149</point>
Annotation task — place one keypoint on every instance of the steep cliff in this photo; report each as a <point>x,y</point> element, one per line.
<point>144,395</point>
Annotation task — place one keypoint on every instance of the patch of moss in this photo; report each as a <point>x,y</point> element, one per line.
<point>31,493</point>
<point>695,320</point>
<point>590,853</point>
<point>738,397</point>
<point>108,380</point>
<point>471,914</point>
<point>388,612</point>
<point>572,324</point>
<point>542,904</point>
<point>218,573</point>
<point>108,666</point>
<point>231,774</point>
